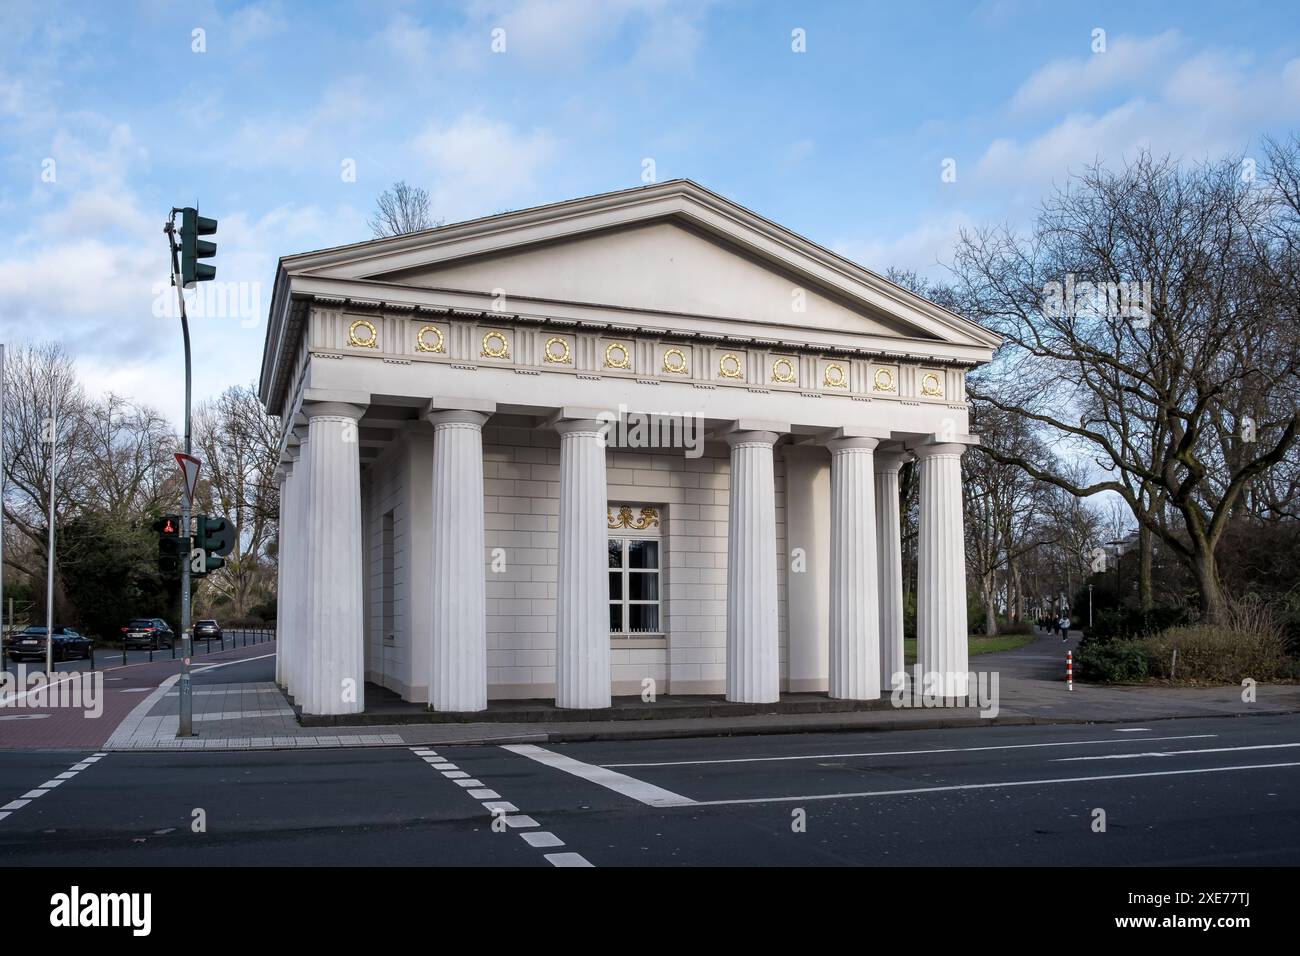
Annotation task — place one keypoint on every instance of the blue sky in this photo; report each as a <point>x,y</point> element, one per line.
<point>108,117</point>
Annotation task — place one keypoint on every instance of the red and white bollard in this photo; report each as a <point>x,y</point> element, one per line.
<point>1069,670</point>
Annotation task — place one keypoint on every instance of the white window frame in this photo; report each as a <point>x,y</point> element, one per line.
<point>626,602</point>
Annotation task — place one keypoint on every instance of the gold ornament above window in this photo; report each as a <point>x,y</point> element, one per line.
<point>783,371</point>
<point>363,341</point>
<point>729,366</point>
<point>649,519</point>
<point>617,356</point>
<point>930,386</point>
<point>834,376</point>
<point>556,351</point>
<point>883,380</point>
<point>422,346</point>
<point>675,362</point>
<point>496,345</point>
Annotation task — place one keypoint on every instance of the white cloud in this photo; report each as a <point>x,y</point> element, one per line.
<point>922,249</point>
<point>1127,62</point>
<point>479,166</point>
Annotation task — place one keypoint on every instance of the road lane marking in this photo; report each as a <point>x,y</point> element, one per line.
<point>894,753</point>
<point>502,810</point>
<point>1130,730</point>
<point>639,790</point>
<point>541,838</point>
<point>13,805</point>
<point>988,786</point>
<point>1177,753</point>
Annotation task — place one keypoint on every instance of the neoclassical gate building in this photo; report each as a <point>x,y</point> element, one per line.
<point>475,505</point>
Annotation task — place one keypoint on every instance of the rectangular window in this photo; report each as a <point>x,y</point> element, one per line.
<point>634,609</point>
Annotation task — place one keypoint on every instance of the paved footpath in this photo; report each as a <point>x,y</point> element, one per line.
<point>237,706</point>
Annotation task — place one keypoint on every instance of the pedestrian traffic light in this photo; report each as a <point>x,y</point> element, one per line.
<point>193,248</point>
<point>216,538</point>
<point>173,547</point>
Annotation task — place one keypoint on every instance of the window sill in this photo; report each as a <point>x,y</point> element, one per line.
<point>642,641</point>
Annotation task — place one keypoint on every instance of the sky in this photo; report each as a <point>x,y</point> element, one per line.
<point>876,129</point>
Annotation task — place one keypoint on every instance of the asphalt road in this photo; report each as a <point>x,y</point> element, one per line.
<point>1178,793</point>
<point>106,656</point>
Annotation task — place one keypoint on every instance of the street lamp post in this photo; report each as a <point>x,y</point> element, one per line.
<point>1090,607</point>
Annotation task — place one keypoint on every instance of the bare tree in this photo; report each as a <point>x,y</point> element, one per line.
<point>1182,395</point>
<point>402,209</point>
<point>239,445</point>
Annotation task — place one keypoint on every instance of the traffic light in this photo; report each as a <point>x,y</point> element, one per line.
<point>216,538</point>
<point>173,547</point>
<point>193,248</point>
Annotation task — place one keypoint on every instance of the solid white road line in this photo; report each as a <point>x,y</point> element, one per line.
<point>894,753</point>
<point>1177,753</point>
<point>988,786</point>
<point>1130,730</point>
<point>646,793</point>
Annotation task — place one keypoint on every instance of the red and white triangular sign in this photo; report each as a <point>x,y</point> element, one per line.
<point>190,472</point>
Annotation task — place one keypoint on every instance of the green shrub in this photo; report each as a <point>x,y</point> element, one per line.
<point>1113,662</point>
<point>1218,654</point>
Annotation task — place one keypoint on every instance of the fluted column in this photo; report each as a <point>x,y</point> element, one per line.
<point>284,479</point>
<point>941,571</point>
<point>334,615</point>
<point>855,620</point>
<point>296,583</point>
<point>458,661</point>
<point>753,663</point>
<point>889,562</point>
<point>582,676</point>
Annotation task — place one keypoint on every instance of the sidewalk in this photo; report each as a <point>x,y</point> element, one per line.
<point>255,715</point>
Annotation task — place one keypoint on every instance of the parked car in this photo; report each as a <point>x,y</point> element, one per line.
<point>29,644</point>
<point>151,632</point>
<point>208,630</point>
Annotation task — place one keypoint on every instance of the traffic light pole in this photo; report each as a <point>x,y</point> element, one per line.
<point>186,726</point>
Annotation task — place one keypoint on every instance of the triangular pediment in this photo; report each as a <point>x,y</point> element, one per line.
<point>663,255</point>
<point>663,266</point>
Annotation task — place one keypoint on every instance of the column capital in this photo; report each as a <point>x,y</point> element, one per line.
<point>443,403</point>
<point>579,426</point>
<point>939,450</point>
<point>840,446</point>
<point>317,409</point>
<point>738,439</point>
<point>458,416</point>
<point>887,462</point>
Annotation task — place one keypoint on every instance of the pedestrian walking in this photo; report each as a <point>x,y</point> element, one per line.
<point>1064,625</point>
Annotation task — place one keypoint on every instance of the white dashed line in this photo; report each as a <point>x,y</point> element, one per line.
<point>542,839</point>
<point>506,811</point>
<point>48,785</point>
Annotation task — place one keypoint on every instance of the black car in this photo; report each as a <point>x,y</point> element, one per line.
<point>152,632</point>
<point>207,630</point>
<point>29,644</point>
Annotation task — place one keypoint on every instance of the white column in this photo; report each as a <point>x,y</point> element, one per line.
<point>334,617</point>
<point>855,618</point>
<point>296,585</point>
<point>458,659</point>
<point>284,479</point>
<point>753,663</point>
<point>582,677</point>
<point>941,571</point>
<point>889,561</point>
